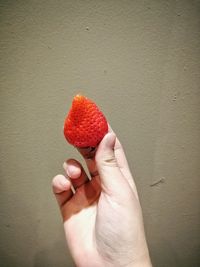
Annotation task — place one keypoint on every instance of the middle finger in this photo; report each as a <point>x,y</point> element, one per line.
<point>75,172</point>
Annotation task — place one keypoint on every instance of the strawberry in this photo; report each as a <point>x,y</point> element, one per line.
<point>85,125</point>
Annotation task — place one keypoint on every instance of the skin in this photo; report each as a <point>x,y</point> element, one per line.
<point>103,220</point>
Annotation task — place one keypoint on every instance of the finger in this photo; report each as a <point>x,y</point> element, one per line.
<point>112,179</point>
<point>120,155</point>
<point>123,163</point>
<point>85,196</point>
<point>75,172</point>
<point>119,152</point>
<point>89,156</point>
<point>88,153</point>
<point>62,189</point>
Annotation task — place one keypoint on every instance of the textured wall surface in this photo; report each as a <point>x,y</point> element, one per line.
<point>140,61</point>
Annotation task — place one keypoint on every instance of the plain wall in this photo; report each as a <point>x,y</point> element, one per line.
<point>140,61</point>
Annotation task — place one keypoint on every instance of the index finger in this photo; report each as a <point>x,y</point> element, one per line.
<point>88,153</point>
<point>123,163</point>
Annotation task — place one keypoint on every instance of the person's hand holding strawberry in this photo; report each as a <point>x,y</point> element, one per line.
<point>102,219</point>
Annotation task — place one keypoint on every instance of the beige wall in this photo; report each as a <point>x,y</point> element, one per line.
<point>139,60</point>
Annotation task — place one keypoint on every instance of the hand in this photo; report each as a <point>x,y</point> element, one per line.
<point>103,220</point>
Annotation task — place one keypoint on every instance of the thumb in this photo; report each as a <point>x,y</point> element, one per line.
<point>110,174</point>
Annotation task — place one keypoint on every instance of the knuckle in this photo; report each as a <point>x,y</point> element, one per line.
<point>108,162</point>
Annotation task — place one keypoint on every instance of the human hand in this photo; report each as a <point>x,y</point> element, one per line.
<point>103,220</point>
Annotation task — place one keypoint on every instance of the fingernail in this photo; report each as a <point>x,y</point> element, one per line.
<point>69,171</point>
<point>65,166</point>
<point>73,171</point>
<point>64,183</point>
<point>110,139</point>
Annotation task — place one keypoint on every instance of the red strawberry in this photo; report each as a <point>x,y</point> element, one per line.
<point>85,125</point>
